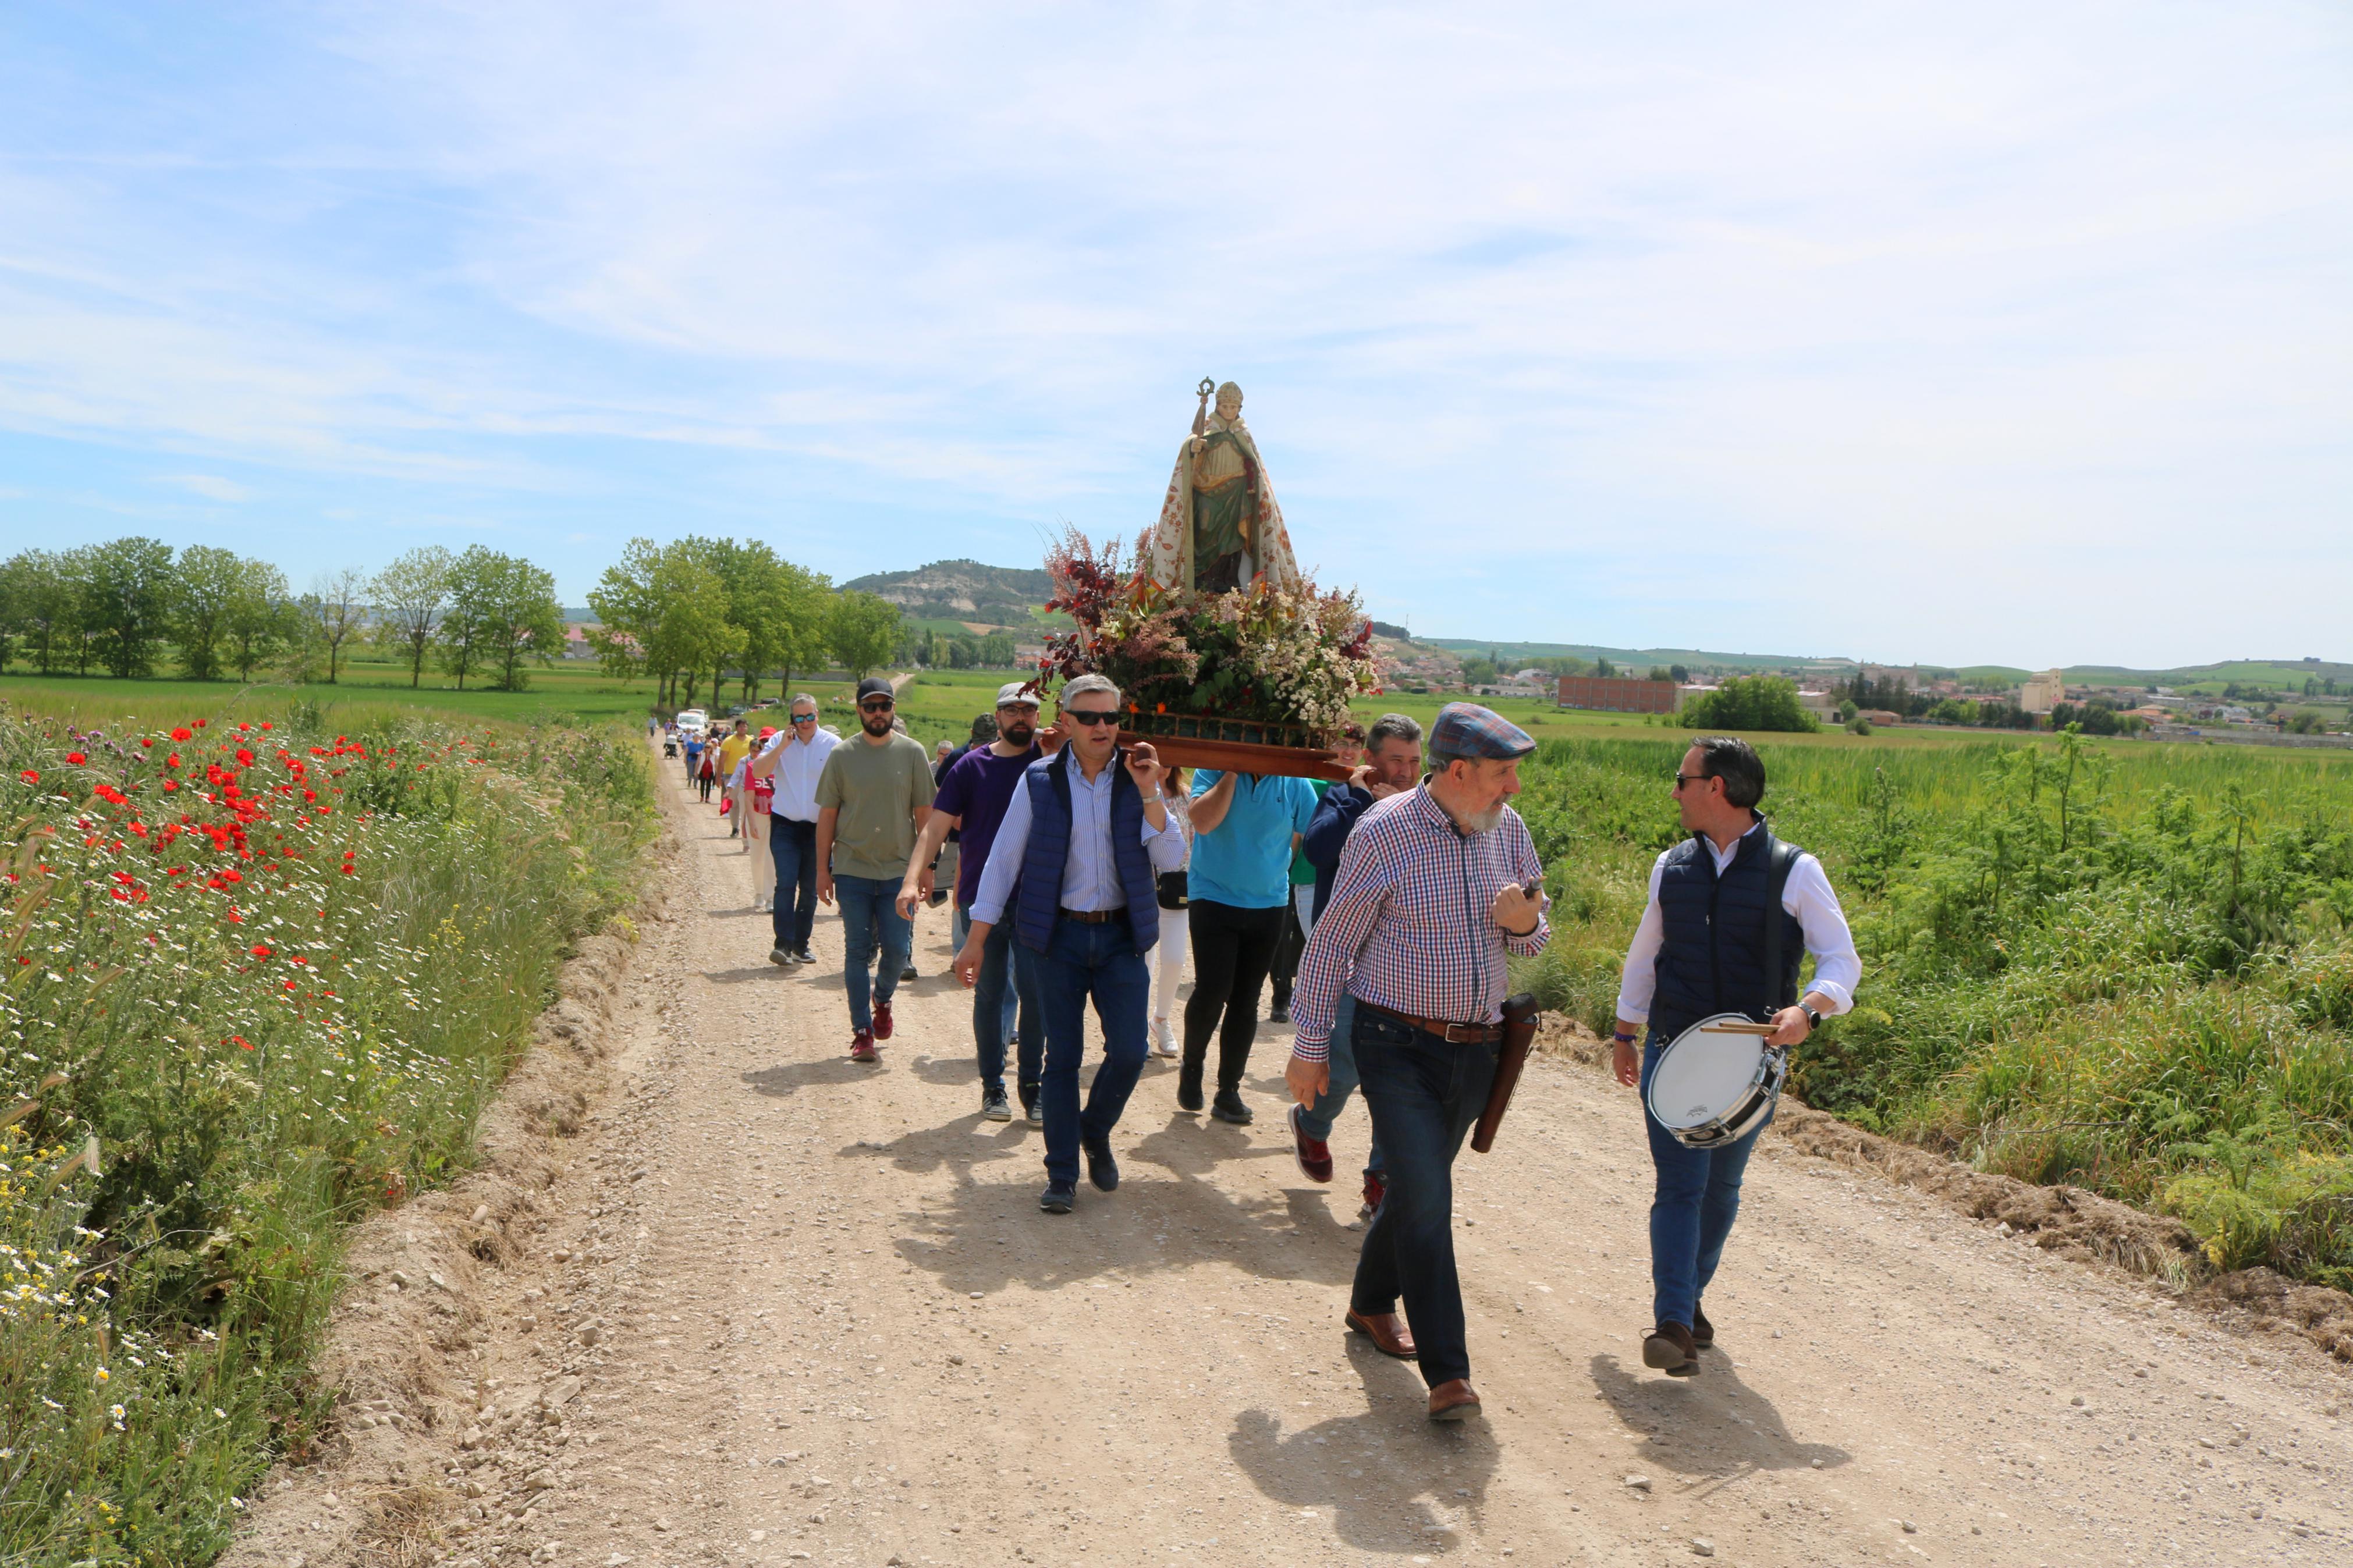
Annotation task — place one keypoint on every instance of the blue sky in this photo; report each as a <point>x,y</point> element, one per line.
<point>2003,332</point>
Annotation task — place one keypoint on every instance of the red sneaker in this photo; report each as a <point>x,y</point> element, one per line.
<point>882,1020</point>
<point>1377,1188</point>
<point>861,1046</point>
<point>1314,1155</point>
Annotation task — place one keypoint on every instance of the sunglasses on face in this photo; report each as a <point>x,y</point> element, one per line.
<point>804,718</point>
<point>883,705</point>
<point>1091,716</point>
<point>1683,779</point>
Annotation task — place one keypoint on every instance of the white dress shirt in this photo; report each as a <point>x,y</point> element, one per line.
<point>1807,896</point>
<point>796,770</point>
<point>1090,870</point>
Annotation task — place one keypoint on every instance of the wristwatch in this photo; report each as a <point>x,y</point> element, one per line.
<point>1813,1019</point>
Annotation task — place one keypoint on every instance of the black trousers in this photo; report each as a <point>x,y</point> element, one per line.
<point>1232,950</point>
<point>1288,948</point>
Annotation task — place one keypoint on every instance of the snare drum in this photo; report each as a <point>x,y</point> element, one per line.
<point>1717,1081</point>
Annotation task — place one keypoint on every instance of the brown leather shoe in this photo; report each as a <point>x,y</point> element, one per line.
<point>1314,1155</point>
<point>1454,1401</point>
<point>1702,1331</point>
<point>1669,1348</point>
<point>1387,1331</point>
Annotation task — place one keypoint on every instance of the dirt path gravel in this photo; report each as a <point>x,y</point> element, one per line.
<point>814,1314</point>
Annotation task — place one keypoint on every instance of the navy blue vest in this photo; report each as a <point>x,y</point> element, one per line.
<point>1714,957</point>
<point>1038,901</point>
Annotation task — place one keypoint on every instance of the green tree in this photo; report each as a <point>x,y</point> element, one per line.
<point>336,608</point>
<point>502,614</point>
<point>1478,672</point>
<point>1749,702</point>
<point>206,581</point>
<point>997,650</point>
<point>263,617</point>
<point>466,624</point>
<point>627,611</point>
<point>864,630</point>
<point>411,597</point>
<point>127,595</point>
<point>41,606</point>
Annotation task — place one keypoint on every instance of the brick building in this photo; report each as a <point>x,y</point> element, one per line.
<point>1612,694</point>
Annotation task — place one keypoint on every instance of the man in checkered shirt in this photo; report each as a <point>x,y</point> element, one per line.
<point>1435,887</point>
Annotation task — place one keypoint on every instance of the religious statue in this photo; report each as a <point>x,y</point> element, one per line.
<point>1220,527</point>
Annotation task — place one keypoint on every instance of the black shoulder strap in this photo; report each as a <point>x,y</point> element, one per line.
<point>1779,860</point>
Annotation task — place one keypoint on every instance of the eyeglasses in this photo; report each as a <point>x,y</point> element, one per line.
<point>1683,779</point>
<point>876,705</point>
<point>804,718</point>
<point>1091,716</point>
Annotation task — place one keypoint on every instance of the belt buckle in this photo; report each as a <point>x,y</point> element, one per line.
<point>1462,1034</point>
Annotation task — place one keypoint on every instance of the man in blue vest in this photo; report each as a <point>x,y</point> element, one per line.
<point>1704,947</point>
<point>1084,838</point>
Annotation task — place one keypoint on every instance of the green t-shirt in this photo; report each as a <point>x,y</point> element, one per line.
<point>1303,874</point>
<point>877,790</point>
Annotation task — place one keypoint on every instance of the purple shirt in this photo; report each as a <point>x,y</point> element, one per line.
<point>976,790</point>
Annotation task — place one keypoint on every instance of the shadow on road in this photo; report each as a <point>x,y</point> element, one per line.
<point>791,1077</point>
<point>1712,1428</point>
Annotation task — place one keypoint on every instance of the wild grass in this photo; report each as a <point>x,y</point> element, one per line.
<point>267,976</point>
<point>2122,966</point>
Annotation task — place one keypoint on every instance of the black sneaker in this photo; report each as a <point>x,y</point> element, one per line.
<point>1282,1013</point>
<point>992,1106</point>
<point>1102,1169</point>
<point>1058,1198</point>
<point>1229,1106</point>
<point>1033,1108</point>
<point>1188,1088</point>
<point>907,975</point>
<point>803,956</point>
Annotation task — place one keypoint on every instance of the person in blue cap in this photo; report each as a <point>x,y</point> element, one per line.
<point>1437,887</point>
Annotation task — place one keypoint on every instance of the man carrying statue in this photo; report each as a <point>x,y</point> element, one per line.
<point>1221,528</point>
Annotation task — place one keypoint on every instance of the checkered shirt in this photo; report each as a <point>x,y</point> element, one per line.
<point>1408,926</point>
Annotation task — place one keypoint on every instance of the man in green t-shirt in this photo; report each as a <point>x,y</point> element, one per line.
<point>871,800</point>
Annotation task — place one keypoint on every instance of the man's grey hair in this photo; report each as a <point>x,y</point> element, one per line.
<point>1086,683</point>
<point>1393,727</point>
<point>800,697</point>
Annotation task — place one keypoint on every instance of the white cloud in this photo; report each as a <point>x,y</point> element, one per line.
<point>209,485</point>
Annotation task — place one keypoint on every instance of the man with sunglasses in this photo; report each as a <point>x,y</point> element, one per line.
<point>794,760</point>
<point>973,797</point>
<point>1084,836</point>
<point>1701,949</point>
<point>873,799</point>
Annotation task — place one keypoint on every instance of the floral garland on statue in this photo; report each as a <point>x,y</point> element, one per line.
<point>1284,656</point>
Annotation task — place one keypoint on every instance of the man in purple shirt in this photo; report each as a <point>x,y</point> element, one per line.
<point>972,800</point>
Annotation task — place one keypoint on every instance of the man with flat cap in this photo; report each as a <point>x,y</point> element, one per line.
<point>1435,887</point>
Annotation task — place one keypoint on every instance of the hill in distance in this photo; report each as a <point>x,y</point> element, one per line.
<point>963,590</point>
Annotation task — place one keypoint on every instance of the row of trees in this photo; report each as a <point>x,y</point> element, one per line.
<point>129,605</point>
<point>698,607</point>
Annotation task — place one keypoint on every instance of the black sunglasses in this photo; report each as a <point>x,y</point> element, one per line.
<point>1683,779</point>
<point>876,705</point>
<point>1091,716</point>
<point>804,718</point>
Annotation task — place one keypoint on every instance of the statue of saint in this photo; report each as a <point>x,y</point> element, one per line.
<point>1220,527</point>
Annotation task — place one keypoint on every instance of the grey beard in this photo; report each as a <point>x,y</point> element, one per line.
<point>1486,821</point>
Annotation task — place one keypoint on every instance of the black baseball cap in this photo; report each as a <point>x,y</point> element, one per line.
<point>875,685</point>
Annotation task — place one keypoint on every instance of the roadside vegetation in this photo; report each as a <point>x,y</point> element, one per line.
<point>257,977</point>
<point>2123,966</point>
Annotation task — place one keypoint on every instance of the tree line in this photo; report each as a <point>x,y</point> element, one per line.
<point>131,606</point>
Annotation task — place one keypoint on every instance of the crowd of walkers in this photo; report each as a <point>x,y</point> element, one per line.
<point>1084,873</point>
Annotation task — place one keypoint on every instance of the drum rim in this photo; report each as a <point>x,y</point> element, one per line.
<point>1754,1106</point>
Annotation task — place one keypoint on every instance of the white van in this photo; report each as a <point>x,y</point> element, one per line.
<point>694,721</point>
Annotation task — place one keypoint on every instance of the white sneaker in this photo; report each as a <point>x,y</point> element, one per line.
<point>1163,1042</point>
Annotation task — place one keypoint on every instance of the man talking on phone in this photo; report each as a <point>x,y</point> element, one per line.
<point>1435,887</point>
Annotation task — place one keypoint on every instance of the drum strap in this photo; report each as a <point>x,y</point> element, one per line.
<point>1781,859</point>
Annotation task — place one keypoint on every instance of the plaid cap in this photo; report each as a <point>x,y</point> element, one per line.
<point>1467,729</point>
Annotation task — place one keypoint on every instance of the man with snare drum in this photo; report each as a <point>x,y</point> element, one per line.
<point>1704,948</point>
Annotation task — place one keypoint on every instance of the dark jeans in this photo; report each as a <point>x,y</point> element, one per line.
<point>1691,1207</point>
<point>1007,976</point>
<point>1231,949</point>
<point>1082,961</point>
<point>1317,1118</point>
<point>793,846</point>
<point>870,916</point>
<point>1290,945</point>
<point>1424,1095</point>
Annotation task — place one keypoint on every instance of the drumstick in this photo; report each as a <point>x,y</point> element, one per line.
<point>1758,1029</point>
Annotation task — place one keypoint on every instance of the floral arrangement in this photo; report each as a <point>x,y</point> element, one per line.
<point>1282,656</point>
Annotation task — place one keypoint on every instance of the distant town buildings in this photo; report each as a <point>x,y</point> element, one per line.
<point>2043,692</point>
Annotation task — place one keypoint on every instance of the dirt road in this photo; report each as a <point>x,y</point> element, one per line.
<point>816,1316</point>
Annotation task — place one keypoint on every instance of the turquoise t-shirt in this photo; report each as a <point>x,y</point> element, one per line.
<point>1245,862</point>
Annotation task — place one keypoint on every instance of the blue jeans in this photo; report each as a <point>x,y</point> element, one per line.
<point>1424,1095</point>
<point>870,913</point>
<point>1692,1208</point>
<point>1005,977</point>
<point>1317,1118</point>
<point>1082,961</point>
<point>793,846</point>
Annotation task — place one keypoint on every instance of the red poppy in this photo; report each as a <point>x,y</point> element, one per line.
<point>76,758</point>
<point>259,950</point>
<point>182,733</point>
<point>29,776</point>
<point>200,723</point>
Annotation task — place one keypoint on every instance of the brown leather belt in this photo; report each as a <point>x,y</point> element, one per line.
<point>1452,1034</point>
<point>1095,917</point>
